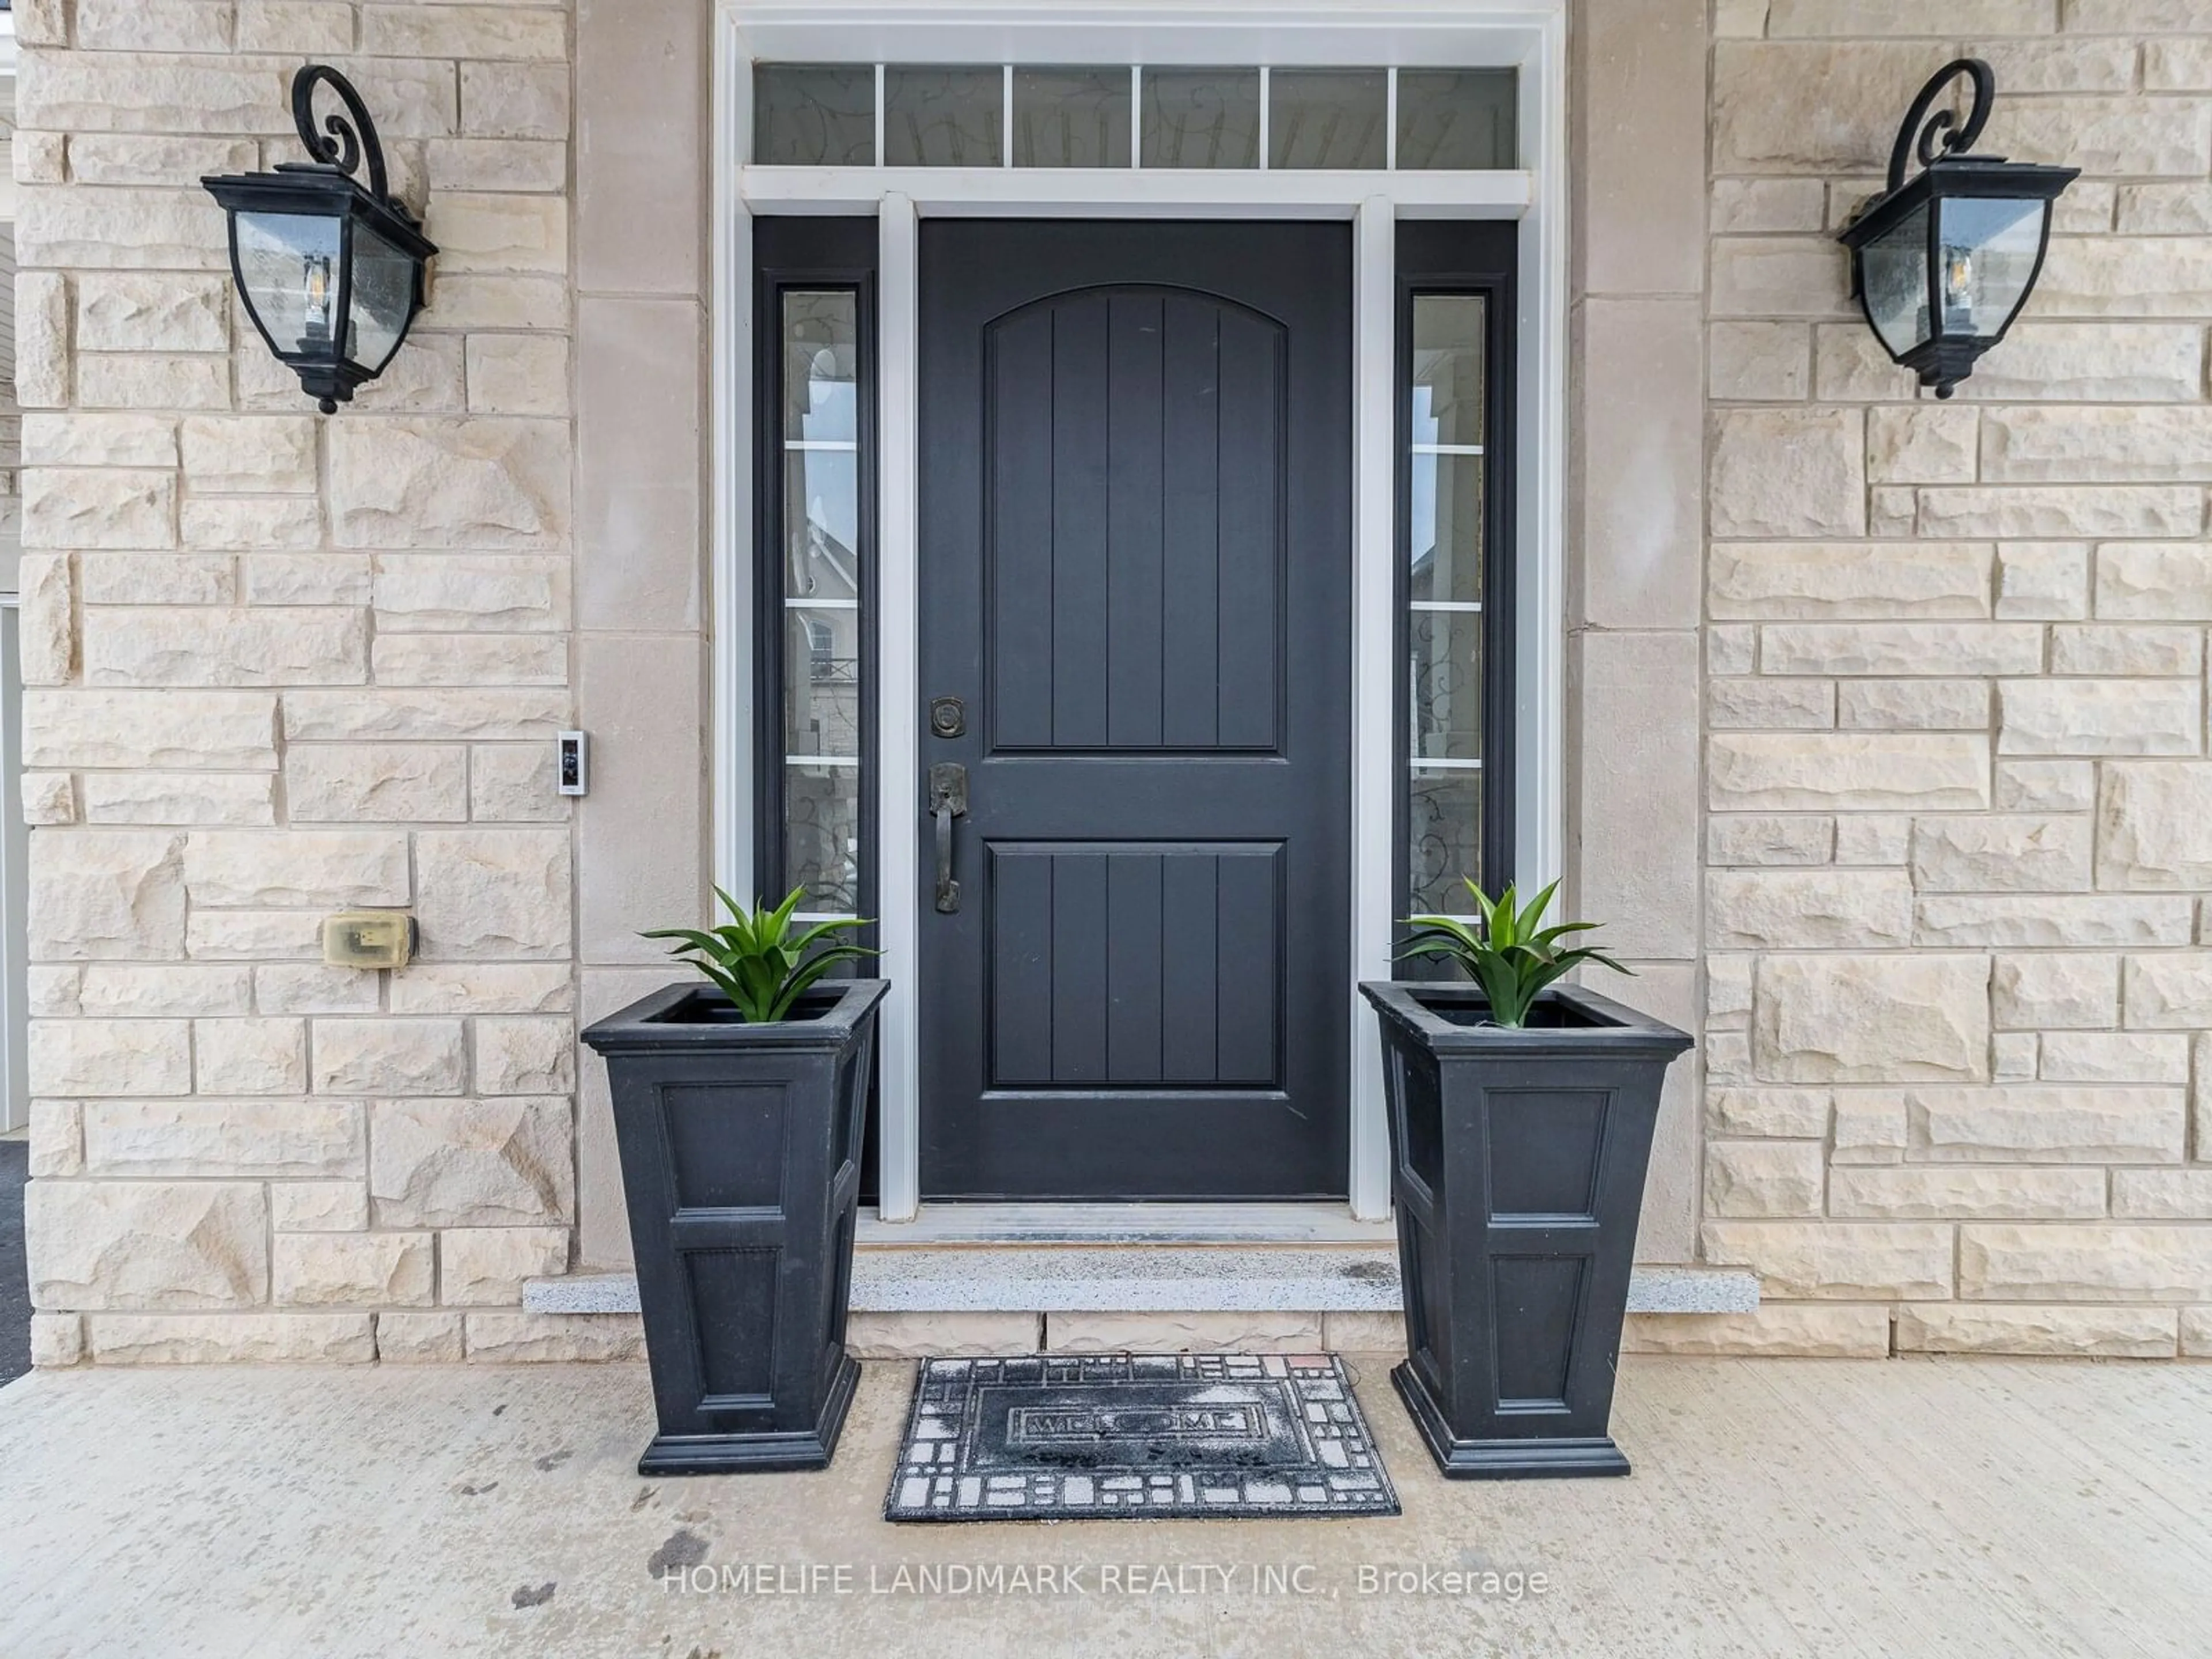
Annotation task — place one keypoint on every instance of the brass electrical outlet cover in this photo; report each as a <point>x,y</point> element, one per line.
<point>368,939</point>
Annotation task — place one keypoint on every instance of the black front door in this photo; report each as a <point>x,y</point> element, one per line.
<point>1136,581</point>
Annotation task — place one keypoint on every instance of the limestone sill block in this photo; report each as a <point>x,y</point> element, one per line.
<point>1203,1280</point>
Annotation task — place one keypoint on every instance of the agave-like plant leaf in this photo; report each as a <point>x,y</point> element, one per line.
<point>1507,951</point>
<point>753,960</point>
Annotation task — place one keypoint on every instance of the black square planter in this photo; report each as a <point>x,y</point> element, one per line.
<point>740,1155</point>
<point>1517,1162</point>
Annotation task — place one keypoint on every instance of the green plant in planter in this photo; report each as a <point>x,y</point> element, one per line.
<point>759,966</point>
<point>1508,952</point>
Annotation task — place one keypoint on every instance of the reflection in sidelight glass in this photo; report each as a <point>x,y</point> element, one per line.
<point>1072,117</point>
<point>814,114</point>
<point>1447,389</point>
<point>1446,433</point>
<point>1444,828</point>
<point>944,118</point>
<point>1462,118</point>
<point>1329,119</point>
<point>1446,651</point>
<point>823,684</point>
<point>1202,117</point>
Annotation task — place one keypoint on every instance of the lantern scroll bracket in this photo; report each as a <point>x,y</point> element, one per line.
<point>341,144</point>
<point>1929,132</point>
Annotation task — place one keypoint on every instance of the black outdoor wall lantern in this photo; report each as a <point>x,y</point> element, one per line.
<point>1943,264</point>
<point>331,270</point>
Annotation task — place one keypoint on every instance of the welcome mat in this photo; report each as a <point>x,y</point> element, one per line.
<point>1047,1437</point>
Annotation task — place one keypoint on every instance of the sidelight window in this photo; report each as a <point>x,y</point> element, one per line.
<point>816,542</point>
<point>1455,637</point>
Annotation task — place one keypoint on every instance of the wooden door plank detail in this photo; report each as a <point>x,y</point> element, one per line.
<point>1190,462</point>
<point>1018,523</point>
<point>1135,965</point>
<point>1135,526</point>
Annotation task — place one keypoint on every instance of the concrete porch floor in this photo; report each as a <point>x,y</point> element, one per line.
<point>1778,1508</point>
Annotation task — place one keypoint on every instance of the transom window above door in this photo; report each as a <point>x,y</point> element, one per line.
<point>1169,117</point>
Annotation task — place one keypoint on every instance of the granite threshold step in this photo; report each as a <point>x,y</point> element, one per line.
<point>1145,1278</point>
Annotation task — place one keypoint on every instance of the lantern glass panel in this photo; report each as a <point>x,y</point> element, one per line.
<point>1985,260</point>
<point>288,264</point>
<point>1893,272</point>
<point>383,298</point>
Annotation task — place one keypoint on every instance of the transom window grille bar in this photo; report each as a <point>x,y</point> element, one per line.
<point>1010,115</point>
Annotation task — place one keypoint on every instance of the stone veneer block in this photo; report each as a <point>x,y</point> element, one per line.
<point>57,1138</point>
<point>56,1341</point>
<point>1785,1114</point>
<point>2100,717</point>
<point>2154,825</point>
<point>389,1057</point>
<point>1993,852</point>
<point>2162,1194</point>
<point>482,483</point>
<point>325,1269</point>
<point>1777,1330</point>
<point>405,1338</point>
<point>1849,580</point>
<point>2035,990</point>
<point>485,1267</point>
<point>1840,1260</point>
<point>1797,910</point>
<point>525,1338</point>
<point>103,1244</point>
<point>471,1163</point>
<point>1765,1178</point>
<point>251,1338</point>
<point>1841,1018</point>
<point>110,1057</point>
<point>106,894</point>
<point>943,1335</point>
<point>516,1056</point>
<point>1963,1194</point>
<point>493,893</point>
<point>218,1137</point>
<point>1788,472</point>
<point>2069,919</point>
<point>315,869</point>
<point>319,1207</point>
<point>1758,771</point>
<point>2086,1262</point>
<point>2111,1333</point>
<point>2045,1123</point>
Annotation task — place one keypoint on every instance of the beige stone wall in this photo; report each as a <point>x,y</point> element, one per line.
<point>279,666</point>
<point>1960,827</point>
<point>1887,717</point>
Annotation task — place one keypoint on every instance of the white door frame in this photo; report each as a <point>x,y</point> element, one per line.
<point>1532,37</point>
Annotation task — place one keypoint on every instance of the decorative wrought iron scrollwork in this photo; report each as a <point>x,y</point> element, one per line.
<point>341,144</point>
<point>1928,135</point>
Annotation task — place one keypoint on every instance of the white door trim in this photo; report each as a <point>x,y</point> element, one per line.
<point>1465,32</point>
